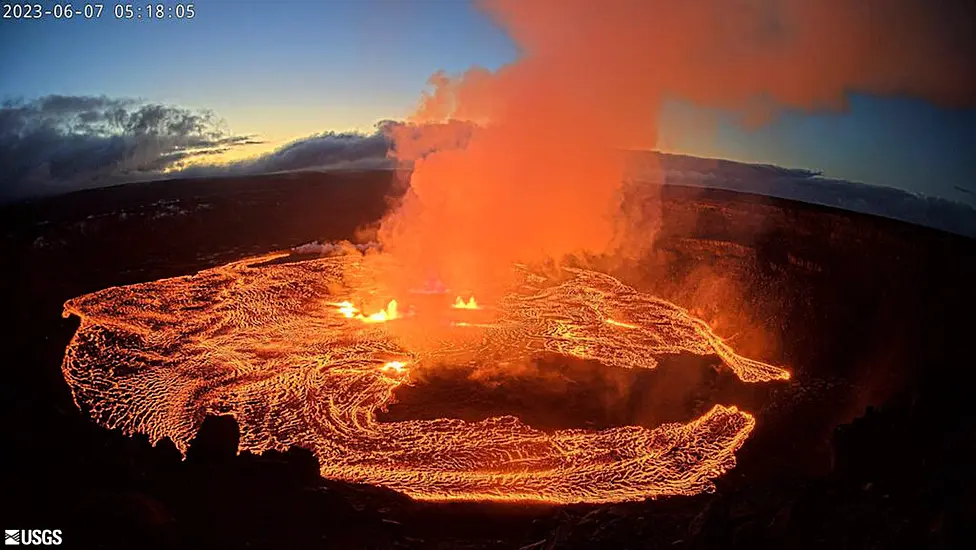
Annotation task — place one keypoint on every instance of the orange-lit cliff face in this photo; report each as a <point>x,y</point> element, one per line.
<point>287,351</point>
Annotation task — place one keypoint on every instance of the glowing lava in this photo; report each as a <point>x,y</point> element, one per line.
<point>459,303</point>
<point>350,311</point>
<point>398,367</point>
<point>619,324</point>
<point>282,348</point>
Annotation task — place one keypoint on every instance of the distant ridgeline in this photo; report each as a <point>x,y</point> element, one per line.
<point>805,186</point>
<point>642,166</point>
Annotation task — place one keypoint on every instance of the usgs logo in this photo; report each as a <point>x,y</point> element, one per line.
<point>27,537</point>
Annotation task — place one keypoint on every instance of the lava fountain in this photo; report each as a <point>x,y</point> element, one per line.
<point>284,348</point>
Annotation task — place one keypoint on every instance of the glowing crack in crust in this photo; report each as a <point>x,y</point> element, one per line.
<point>278,348</point>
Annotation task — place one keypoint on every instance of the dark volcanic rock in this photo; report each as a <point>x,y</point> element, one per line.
<point>871,444</point>
<point>216,442</point>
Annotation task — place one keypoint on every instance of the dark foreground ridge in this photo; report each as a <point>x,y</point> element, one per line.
<point>879,495</point>
<point>871,445</point>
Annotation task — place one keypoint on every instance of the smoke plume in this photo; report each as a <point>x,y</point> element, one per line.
<point>540,176</point>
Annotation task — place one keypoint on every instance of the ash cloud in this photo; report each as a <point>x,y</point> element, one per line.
<point>60,143</point>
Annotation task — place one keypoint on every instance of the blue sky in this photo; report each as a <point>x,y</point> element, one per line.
<point>285,70</point>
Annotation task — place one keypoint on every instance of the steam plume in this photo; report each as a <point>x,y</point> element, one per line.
<point>539,177</point>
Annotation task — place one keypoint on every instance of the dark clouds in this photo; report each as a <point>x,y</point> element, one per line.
<point>57,144</point>
<point>60,143</point>
<point>329,150</point>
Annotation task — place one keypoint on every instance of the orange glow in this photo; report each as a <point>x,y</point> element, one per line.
<point>459,303</point>
<point>619,324</point>
<point>153,358</point>
<point>383,315</point>
<point>347,309</point>
<point>395,366</point>
<point>523,163</point>
<point>350,311</point>
<point>477,325</point>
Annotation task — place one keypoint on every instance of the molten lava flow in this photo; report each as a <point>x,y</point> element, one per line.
<point>383,315</point>
<point>459,303</point>
<point>266,344</point>
<point>619,324</point>
<point>395,366</point>
<point>350,311</point>
<point>347,309</point>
